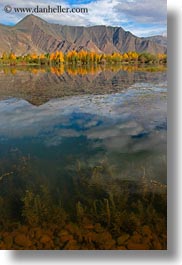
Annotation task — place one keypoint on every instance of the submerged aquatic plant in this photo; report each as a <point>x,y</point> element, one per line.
<point>79,210</point>
<point>40,208</point>
<point>95,206</point>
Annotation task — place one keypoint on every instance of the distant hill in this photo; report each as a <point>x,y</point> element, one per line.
<point>33,34</point>
<point>161,40</point>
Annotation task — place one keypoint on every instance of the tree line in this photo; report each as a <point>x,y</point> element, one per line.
<point>82,58</point>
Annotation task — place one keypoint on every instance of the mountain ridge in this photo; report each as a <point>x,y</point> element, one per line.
<point>33,34</point>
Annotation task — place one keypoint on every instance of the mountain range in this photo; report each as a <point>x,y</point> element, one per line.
<point>33,34</point>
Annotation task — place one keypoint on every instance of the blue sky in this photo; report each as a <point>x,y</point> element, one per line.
<point>141,17</point>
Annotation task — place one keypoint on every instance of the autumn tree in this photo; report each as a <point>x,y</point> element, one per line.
<point>72,56</point>
<point>60,57</point>
<point>135,56</point>
<point>125,57</point>
<point>4,56</point>
<point>162,58</point>
<point>83,57</point>
<point>12,56</point>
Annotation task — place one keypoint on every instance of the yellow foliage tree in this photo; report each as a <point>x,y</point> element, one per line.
<point>4,56</point>
<point>60,57</point>
<point>52,56</point>
<point>33,56</point>
<point>12,56</point>
<point>125,57</point>
<point>42,56</point>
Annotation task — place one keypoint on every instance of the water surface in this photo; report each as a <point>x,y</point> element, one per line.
<point>83,154</point>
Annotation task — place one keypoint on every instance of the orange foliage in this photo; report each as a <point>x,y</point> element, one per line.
<point>12,56</point>
<point>42,56</point>
<point>81,57</point>
<point>33,56</point>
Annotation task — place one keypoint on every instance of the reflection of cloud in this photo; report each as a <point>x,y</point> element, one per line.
<point>113,119</point>
<point>122,128</point>
<point>53,141</point>
<point>90,124</point>
<point>55,137</point>
<point>103,133</point>
<point>154,141</point>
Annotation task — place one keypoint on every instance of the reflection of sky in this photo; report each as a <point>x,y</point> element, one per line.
<point>134,120</point>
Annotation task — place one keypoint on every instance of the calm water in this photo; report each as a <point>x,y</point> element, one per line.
<point>83,159</point>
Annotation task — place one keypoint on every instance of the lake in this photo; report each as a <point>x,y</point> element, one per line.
<point>83,158</point>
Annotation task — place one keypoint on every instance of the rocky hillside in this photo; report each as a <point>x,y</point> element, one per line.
<point>32,34</point>
<point>161,40</point>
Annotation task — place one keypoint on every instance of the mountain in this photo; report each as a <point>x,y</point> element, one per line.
<point>33,34</point>
<point>161,40</point>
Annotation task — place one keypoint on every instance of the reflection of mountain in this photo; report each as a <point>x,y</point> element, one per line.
<point>41,87</point>
<point>33,34</point>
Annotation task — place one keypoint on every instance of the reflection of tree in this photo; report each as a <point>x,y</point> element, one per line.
<point>39,84</point>
<point>82,69</point>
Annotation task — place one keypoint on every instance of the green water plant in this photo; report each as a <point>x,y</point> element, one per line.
<point>39,208</point>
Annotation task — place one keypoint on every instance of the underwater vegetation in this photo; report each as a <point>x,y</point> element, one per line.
<point>94,209</point>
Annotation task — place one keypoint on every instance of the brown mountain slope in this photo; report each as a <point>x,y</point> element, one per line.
<point>32,34</point>
<point>162,40</point>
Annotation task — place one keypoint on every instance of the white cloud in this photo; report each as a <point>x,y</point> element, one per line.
<point>149,31</point>
<point>142,17</point>
<point>144,11</point>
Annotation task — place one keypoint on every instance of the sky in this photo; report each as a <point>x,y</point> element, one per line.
<point>141,17</point>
